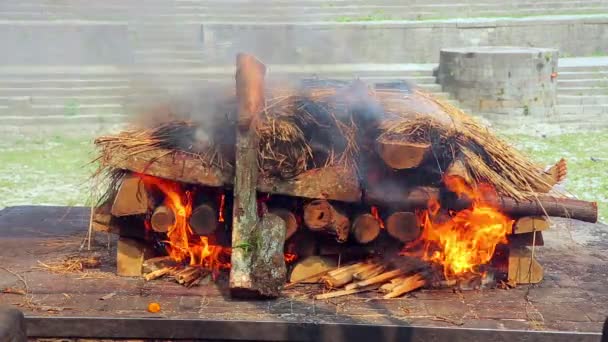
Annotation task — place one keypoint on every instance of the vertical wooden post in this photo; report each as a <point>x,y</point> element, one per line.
<point>254,242</point>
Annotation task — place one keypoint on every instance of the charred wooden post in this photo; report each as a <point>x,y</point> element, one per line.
<point>204,218</point>
<point>162,219</point>
<point>320,215</point>
<point>253,241</point>
<point>366,228</point>
<point>403,226</point>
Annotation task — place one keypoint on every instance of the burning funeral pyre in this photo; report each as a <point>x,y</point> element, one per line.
<point>359,187</point>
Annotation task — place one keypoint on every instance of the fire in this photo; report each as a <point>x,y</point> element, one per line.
<point>221,213</point>
<point>376,214</point>
<point>182,244</point>
<point>466,239</point>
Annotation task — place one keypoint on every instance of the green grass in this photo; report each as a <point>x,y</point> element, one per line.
<point>55,169</point>
<point>46,169</point>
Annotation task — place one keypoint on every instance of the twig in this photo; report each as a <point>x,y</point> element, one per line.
<point>346,292</point>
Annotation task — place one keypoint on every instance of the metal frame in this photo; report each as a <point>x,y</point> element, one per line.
<point>200,329</point>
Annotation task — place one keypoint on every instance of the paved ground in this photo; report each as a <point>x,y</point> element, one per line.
<point>573,296</point>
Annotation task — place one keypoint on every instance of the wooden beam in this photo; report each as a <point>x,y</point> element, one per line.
<point>169,164</point>
<point>523,268</point>
<point>131,197</point>
<point>332,183</point>
<point>529,224</point>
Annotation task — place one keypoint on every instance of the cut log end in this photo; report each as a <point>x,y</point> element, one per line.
<point>366,228</point>
<point>162,219</point>
<point>291,223</point>
<point>204,219</point>
<point>403,226</point>
<point>320,215</point>
<point>402,155</point>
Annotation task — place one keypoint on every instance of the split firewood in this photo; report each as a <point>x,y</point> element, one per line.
<point>204,219</point>
<point>341,293</point>
<point>523,268</point>
<point>529,224</point>
<point>311,269</point>
<point>402,155</point>
<point>381,278</point>
<point>157,263</point>
<point>348,268</point>
<point>158,273</point>
<point>369,273</point>
<point>188,275</point>
<point>342,276</point>
<point>388,287</point>
<point>162,219</point>
<point>408,284</point>
<point>291,223</point>
<point>337,280</point>
<point>131,197</point>
<point>403,226</point>
<point>320,215</point>
<point>366,228</point>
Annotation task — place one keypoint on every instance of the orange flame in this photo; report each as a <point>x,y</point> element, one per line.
<point>467,238</point>
<point>183,245</point>
<point>376,214</point>
<point>221,213</point>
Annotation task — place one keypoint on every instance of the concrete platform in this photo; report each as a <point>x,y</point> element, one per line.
<point>570,305</point>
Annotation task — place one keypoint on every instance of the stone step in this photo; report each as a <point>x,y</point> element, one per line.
<point>108,119</point>
<point>582,91</point>
<point>582,100</point>
<point>588,69</point>
<point>63,110</point>
<point>571,75</point>
<point>60,100</point>
<point>50,91</point>
<point>583,109</point>
<point>590,82</point>
<point>62,83</point>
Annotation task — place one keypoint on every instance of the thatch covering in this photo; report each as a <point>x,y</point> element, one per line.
<point>334,124</point>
